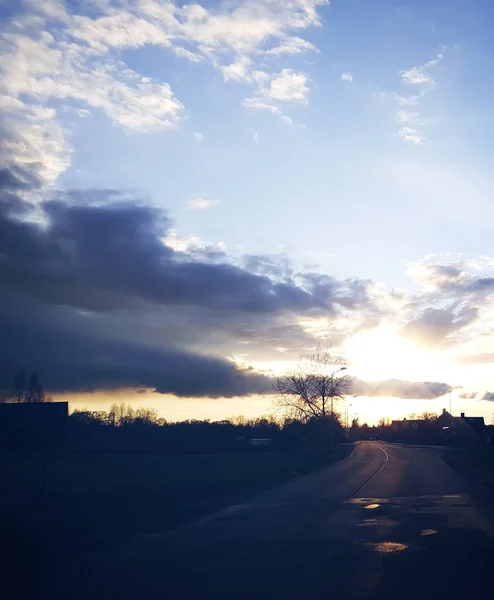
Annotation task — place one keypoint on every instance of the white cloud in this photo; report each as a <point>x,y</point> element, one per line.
<point>50,8</point>
<point>193,245</point>
<point>82,61</point>
<point>118,29</point>
<point>409,107</point>
<point>347,77</point>
<point>412,135</point>
<point>33,138</point>
<point>289,86</point>
<point>420,75</point>
<point>187,54</point>
<point>259,104</point>
<point>406,116</point>
<point>285,87</point>
<point>237,71</point>
<point>286,119</point>
<point>411,126</point>
<point>200,203</point>
<point>181,244</point>
<point>415,76</point>
<point>408,100</point>
<point>83,113</point>
<point>38,68</point>
<point>292,45</point>
<point>198,136</point>
<point>46,69</point>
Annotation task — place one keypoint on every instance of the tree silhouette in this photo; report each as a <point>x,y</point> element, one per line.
<point>19,387</point>
<point>27,391</point>
<point>310,390</point>
<point>34,392</point>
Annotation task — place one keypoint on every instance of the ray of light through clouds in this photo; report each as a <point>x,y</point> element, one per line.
<point>194,194</point>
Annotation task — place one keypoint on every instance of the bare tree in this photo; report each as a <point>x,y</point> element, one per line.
<point>34,392</point>
<point>148,416</point>
<point>311,389</point>
<point>24,390</point>
<point>18,387</point>
<point>123,414</point>
<point>428,416</point>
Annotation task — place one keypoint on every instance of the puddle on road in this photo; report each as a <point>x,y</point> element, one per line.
<point>368,523</point>
<point>378,523</point>
<point>389,547</point>
<point>366,501</point>
<point>428,532</point>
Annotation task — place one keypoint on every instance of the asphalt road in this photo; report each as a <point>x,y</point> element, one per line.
<point>388,522</point>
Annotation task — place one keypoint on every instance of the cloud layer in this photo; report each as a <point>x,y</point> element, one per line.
<point>94,297</point>
<point>397,388</point>
<point>57,61</point>
<point>97,294</point>
<point>97,291</point>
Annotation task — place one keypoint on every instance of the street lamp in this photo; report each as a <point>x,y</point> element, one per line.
<point>334,373</point>
<point>332,407</point>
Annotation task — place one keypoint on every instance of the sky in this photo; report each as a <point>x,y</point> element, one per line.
<point>192,196</point>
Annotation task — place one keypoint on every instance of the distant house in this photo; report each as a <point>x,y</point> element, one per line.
<point>461,429</point>
<point>446,429</point>
<point>415,431</point>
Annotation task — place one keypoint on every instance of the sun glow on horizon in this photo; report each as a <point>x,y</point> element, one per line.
<point>381,353</point>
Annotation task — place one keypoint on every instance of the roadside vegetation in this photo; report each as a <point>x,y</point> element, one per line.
<point>127,472</point>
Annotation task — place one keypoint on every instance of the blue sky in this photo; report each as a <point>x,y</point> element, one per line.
<point>348,139</point>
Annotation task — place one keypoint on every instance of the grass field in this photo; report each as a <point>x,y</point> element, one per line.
<point>69,504</point>
<point>475,463</point>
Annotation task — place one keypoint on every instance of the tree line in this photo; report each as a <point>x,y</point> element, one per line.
<point>125,429</point>
<point>25,389</point>
<point>306,418</point>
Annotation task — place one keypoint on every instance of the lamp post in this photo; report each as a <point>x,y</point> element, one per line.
<point>342,369</point>
<point>332,411</point>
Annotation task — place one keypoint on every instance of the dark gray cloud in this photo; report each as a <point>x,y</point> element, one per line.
<point>458,279</point>
<point>448,272</point>
<point>482,284</point>
<point>73,353</point>
<point>398,388</point>
<point>16,178</point>
<point>437,325</point>
<point>104,256</point>
<point>276,266</point>
<point>351,293</point>
<point>92,298</point>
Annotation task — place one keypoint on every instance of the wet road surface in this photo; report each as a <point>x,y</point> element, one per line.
<point>388,522</point>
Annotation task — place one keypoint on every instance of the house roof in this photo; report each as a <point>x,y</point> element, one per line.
<point>476,423</point>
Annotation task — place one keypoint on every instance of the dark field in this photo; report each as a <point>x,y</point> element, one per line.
<point>476,463</point>
<point>56,508</point>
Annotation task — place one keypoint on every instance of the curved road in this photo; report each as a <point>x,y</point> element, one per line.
<point>388,522</point>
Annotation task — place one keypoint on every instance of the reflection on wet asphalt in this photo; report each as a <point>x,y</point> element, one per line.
<point>391,522</point>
